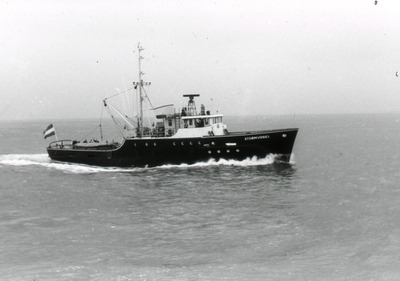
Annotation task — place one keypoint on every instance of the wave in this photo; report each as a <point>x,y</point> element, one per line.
<point>23,159</point>
<point>254,161</point>
<point>44,161</point>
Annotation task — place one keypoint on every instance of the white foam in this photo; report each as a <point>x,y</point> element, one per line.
<point>254,161</point>
<point>23,159</point>
<point>44,161</point>
<point>74,168</point>
<point>292,159</point>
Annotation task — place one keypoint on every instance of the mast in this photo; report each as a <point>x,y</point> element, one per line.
<point>140,84</point>
<point>140,90</point>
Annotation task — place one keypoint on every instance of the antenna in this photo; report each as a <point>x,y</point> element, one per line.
<point>191,104</point>
<point>140,83</point>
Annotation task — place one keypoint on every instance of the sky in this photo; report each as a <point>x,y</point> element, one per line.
<point>60,59</point>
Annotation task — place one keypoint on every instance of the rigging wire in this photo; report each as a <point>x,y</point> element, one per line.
<point>97,127</point>
<point>89,133</point>
<point>126,119</point>
<point>149,118</point>
<point>118,125</point>
<point>123,116</point>
<point>148,99</point>
<point>119,93</point>
<point>101,123</point>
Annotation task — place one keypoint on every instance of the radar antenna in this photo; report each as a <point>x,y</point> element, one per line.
<point>191,104</point>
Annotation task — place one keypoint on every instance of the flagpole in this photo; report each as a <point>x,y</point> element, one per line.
<point>55,132</point>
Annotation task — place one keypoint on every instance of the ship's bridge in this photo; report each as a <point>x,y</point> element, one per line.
<point>202,125</point>
<point>201,120</point>
<point>188,123</point>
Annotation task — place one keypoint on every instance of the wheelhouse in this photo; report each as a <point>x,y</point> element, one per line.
<point>189,123</point>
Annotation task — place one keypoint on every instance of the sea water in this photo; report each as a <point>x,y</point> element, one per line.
<point>332,213</point>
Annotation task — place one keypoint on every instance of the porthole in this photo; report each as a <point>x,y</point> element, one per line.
<point>147,144</point>
<point>237,150</point>
<point>155,144</point>
<point>191,143</point>
<point>174,143</point>
<point>228,151</point>
<point>284,136</point>
<point>218,151</point>
<point>212,143</point>
<point>199,142</point>
<point>182,143</point>
<point>209,152</point>
<point>135,144</point>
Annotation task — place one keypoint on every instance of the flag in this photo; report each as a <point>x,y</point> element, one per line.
<point>50,131</point>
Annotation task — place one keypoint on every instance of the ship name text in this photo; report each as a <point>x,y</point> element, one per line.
<point>257,137</point>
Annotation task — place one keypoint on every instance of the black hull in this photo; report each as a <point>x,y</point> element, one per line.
<point>161,151</point>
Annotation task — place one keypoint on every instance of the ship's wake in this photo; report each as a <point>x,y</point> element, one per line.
<point>42,160</point>
<point>253,161</point>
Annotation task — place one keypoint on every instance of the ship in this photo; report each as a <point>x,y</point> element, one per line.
<point>183,136</point>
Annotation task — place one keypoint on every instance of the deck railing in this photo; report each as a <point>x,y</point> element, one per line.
<point>62,144</point>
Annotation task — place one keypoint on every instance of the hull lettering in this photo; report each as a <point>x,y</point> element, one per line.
<point>256,137</point>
